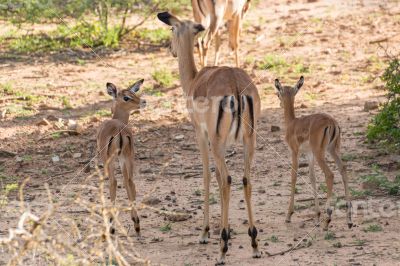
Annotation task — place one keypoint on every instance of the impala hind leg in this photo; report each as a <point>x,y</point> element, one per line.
<point>295,165</point>
<point>109,171</point>
<point>218,151</point>
<point>203,146</point>
<point>249,146</point>
<point>329,184</point>
<point>127,171</point>
<point>342,169</point>
<point>234,32</point>
<point>217,46</point>
<point>314,187</point>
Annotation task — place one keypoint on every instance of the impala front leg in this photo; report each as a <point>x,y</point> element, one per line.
<point>203,146</point>
<point>293,185</point>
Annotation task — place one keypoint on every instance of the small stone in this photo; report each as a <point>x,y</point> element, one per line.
<point>266,244</point>
<point>303,106</point>
<point>55,159</point>
<point>51,118</point>
<point>179,137</point>
<point>275,128</point>
<point>302,225</point>
<point>77,155</point>
<point>240,247</point>
<point>43,122</point>
<point>187,128</point>
<point>370,105</point>
<point>18,159</point>
<point>261,191</point>
<point>151,201</point>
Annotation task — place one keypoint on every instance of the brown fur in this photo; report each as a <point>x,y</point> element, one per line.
<point>322,133</point>
<point>214,99</point>
<point>115,139</point>
<point>211,14</point>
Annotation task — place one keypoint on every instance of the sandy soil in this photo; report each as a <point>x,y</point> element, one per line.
<point>338,41</point>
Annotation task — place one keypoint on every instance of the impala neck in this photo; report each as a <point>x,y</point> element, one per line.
<point>289,112</point>
<point>120,115</point>
<point>187,66</point>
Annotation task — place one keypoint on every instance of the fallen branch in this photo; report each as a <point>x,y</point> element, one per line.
<point>288,250</point>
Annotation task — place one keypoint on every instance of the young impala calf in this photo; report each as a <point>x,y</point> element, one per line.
<point>211,14</point>
<point>224,106</point>
<point>313,134</point>
<point>115,139</point>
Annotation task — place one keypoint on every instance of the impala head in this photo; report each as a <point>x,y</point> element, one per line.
<point>127,99</point>
<point>286,94</point>
<point>181,30</point>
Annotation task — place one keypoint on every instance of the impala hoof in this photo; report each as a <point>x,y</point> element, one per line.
<point>256,254</point>
<point>112,230</point>
<point>350,225</point>
<point>203,241</point>
<point>220,262</point>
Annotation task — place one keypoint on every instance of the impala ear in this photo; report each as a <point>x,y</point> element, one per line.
<point>278,86</point>
<point>111,90</point>
<point>299,84</point>
<point>168,18</point>
<point>135,87</point>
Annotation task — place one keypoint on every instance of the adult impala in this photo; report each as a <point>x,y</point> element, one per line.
<point>313,134</point>
<point>212,14</point>
<point>220,114</point>
<point>115,139</point>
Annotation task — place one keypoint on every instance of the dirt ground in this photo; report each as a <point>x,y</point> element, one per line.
<point>341,43</point>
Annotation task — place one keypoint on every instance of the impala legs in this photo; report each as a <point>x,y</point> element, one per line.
<point>234,32</point>
<point>203,146</point>
<point>249,146</point>
<point>295,164</point>
<point>127,171</point>
<point>314,187</point>
<point>218,151</point>
<point>320,157</point>
<point>109,171</point>
<point>342,169</point>
<point>217,46</point>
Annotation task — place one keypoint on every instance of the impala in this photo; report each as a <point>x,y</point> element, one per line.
<point>211,14</point>
<point>115,139</point>
<point>220,114</point>
<point>313,134</point>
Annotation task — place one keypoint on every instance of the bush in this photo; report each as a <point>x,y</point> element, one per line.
<point>385,126</point>
<point>97,22</point>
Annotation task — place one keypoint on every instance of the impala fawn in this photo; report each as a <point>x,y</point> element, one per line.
<point>212,14</point>
<point>313,134</point>
<point>115,139</point>
<point>220,114</point>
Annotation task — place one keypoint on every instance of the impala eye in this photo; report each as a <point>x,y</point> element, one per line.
<point>126,98</point>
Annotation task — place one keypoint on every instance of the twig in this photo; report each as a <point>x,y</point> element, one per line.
<point>286,250</point>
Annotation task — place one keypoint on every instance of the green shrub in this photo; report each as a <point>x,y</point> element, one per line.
<point>164,77</point>
<point>385,126</point>
<point>155,36</point>
<point>380,181</point>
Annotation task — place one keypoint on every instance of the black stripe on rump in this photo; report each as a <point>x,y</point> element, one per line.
<point>239,114</point>
<point>109,145</point>
<point>333,134</point>
<point>325,130</point>
<point>222,104</point>
<point>121,143</point>
<point>251,112</point>
<point>233,111</point>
